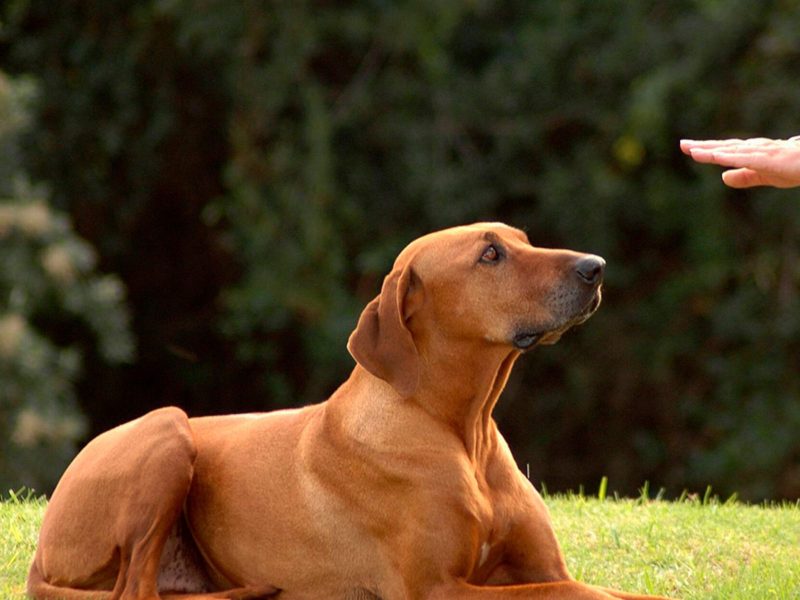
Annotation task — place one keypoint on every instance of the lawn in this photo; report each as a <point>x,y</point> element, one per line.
<point>692,549</point>
<point>19,525</point>
<point>689,549</point>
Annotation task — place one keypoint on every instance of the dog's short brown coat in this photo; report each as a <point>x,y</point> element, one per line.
<point>398,487</point>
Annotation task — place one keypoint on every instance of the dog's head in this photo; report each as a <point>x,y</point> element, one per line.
<point>481,283</point>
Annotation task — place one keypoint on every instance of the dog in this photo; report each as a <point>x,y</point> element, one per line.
<point>399,486</point>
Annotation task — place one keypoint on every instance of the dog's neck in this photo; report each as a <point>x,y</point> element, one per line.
<point>461,386</point>
<point>458,389</point>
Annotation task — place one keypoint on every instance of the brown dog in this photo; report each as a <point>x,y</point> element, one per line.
<point>398,487</point>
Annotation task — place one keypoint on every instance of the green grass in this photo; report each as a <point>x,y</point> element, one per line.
<point>19,525</point>
<point>692,549</point>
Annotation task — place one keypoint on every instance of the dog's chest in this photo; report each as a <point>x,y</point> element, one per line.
<point>486,548</point>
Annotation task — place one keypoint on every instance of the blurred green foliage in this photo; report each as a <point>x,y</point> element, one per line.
<point>250,169</point>
<point>54,309</point>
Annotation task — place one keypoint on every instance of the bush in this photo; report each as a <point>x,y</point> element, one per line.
<point>296,147</point>
<point>54,306</point>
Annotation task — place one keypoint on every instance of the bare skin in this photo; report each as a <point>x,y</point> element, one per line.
<point>753,162</point>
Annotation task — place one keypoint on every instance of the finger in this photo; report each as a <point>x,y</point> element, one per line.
<point>745,158</point>
<point>743,178</point>
<point>687,145</point>
<point>705,156</point>
<point>730,145</point>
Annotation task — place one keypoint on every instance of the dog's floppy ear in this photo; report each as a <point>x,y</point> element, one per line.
<point>382,342</point>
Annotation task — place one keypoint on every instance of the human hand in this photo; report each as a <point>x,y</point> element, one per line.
<point>756,161</point>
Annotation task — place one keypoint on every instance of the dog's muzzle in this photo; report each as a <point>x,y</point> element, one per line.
<point>575,301</point>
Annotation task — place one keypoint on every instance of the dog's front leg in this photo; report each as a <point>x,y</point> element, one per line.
<point>561,590</point>
<point>628,596</point>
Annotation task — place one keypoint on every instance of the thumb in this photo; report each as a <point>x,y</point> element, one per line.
<point>743,178</point>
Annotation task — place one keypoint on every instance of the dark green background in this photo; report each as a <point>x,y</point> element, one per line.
<point>250,169</point>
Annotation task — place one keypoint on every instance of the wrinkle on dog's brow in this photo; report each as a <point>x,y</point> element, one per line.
<point>522,235</point>
<point>495,238</point>
<point>517,233</point>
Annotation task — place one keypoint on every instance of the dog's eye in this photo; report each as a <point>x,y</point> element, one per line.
<point>491,254</point>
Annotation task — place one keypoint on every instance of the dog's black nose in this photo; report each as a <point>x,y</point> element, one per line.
<point>590,268</point>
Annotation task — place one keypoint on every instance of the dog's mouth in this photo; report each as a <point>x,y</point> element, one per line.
<point>526,339</point>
